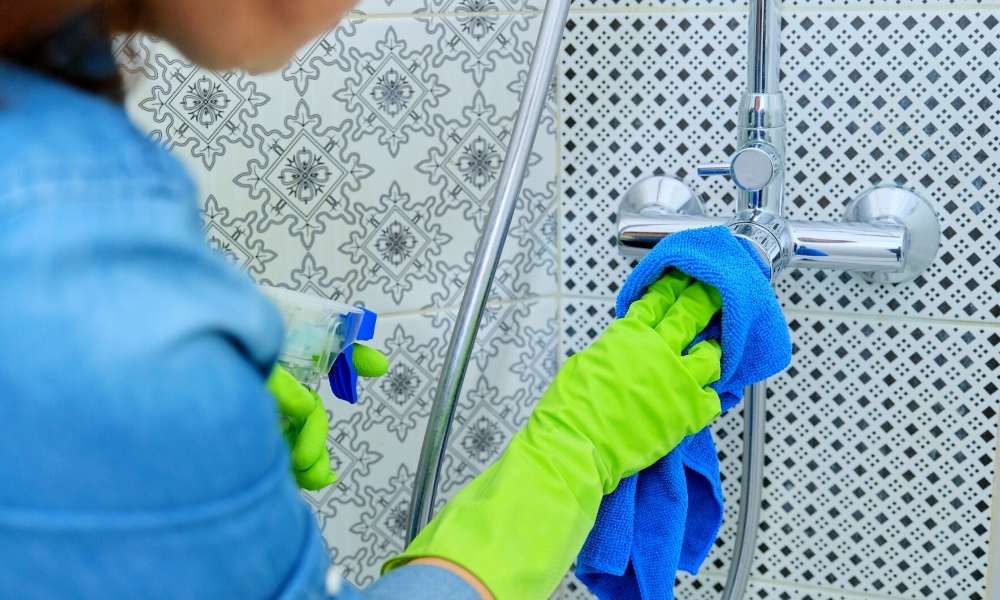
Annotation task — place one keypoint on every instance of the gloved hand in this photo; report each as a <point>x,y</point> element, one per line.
<point>613,410</point>
<point>369,362</point>
<point>305,425</point>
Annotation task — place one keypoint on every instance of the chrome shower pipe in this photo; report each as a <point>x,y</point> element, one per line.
<point>759,165</point>
<point>889,234</point>
<point>751,490</point>
<point>485,265</point>
<point>765,47</point>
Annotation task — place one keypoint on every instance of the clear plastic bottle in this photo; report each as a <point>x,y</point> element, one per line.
<point>316,330</point>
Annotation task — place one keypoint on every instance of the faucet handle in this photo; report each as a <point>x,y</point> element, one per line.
<point>723,169</point>
<point>752,169</point>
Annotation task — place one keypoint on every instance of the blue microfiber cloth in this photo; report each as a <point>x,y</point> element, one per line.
<point>668,516</point>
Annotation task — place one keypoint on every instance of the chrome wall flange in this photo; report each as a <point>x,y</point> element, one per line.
<point>891,205</point>
<point>660,197</point>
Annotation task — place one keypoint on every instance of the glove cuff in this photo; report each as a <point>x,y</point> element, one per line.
<point>520,524</point>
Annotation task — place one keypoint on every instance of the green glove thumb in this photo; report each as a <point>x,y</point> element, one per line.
<point>369,362</point>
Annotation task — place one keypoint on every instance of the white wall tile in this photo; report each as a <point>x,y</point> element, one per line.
<point>364,171</point>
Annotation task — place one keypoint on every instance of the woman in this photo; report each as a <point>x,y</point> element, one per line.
<point>140,453</point>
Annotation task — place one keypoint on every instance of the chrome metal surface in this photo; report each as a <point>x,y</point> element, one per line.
<point>641,235</point>
<point>848,246</point>
<point>888,207</point>
<point>755,167</point>
<point>768,233</point>
<point>879,247</point>
<point>751,489</point>
<point>760,144</point>
<point>722,169</point>
<point>762,111</point>
<point>660,196</point>
<point>484,268</point>
<point>653,209</point>
<point>764,47</point>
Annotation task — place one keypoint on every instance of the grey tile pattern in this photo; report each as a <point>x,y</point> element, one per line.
<point>370,180</point>
<point>362,173</point>
<point>375,442</point>
<point>788,5</point>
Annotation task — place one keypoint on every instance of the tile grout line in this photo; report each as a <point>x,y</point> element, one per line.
<point>696,9</point>
<point>435,310</point>
<point>993,546</point>
<point>806,587</point>
<point>884,317</point>
<point>559,205</point>
<point>893,318</point>
<point>854,7</point>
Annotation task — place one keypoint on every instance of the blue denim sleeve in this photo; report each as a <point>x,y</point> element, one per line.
<point>141,455</point>
<point>413,582</point>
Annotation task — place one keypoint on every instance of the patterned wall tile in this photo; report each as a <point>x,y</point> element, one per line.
<point>501,388</point>
<point>873,98</point>
<point>882,437</point>
<point>364,170</point>
<point>481,20</point>
<point>879,470</point>
<point>375,444</point>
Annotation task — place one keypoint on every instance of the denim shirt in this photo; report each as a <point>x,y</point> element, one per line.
<point>140,453</point>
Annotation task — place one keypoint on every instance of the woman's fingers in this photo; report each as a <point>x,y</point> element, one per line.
<point>704,362</point>
<point>369,362</point>
<point>317,476</point>
<point>658,298</point>
<point>689,315</point>
<point>310,443</point>
<point>295,401</point>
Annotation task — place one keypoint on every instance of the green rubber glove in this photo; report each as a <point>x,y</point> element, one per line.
<point>369,362</point>
<point>613,410</point>
<point>305,427</point>
<point>304,420</point>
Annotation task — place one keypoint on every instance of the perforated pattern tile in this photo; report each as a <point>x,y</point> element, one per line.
<point>786,4</point>
<point>882,438</point>
<point>906,98</point>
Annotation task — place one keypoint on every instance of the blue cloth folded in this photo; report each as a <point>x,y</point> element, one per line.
<point>668,516</point>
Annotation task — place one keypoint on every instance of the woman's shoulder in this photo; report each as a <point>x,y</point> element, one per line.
<point>53,136</point>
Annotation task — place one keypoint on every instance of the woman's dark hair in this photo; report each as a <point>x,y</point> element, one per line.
<point>79,53</point>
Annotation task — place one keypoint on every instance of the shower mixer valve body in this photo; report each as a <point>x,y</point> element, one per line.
<point>889,234</point>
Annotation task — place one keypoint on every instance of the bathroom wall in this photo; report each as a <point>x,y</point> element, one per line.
<point>363,171</point>
<point>881,435</point>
